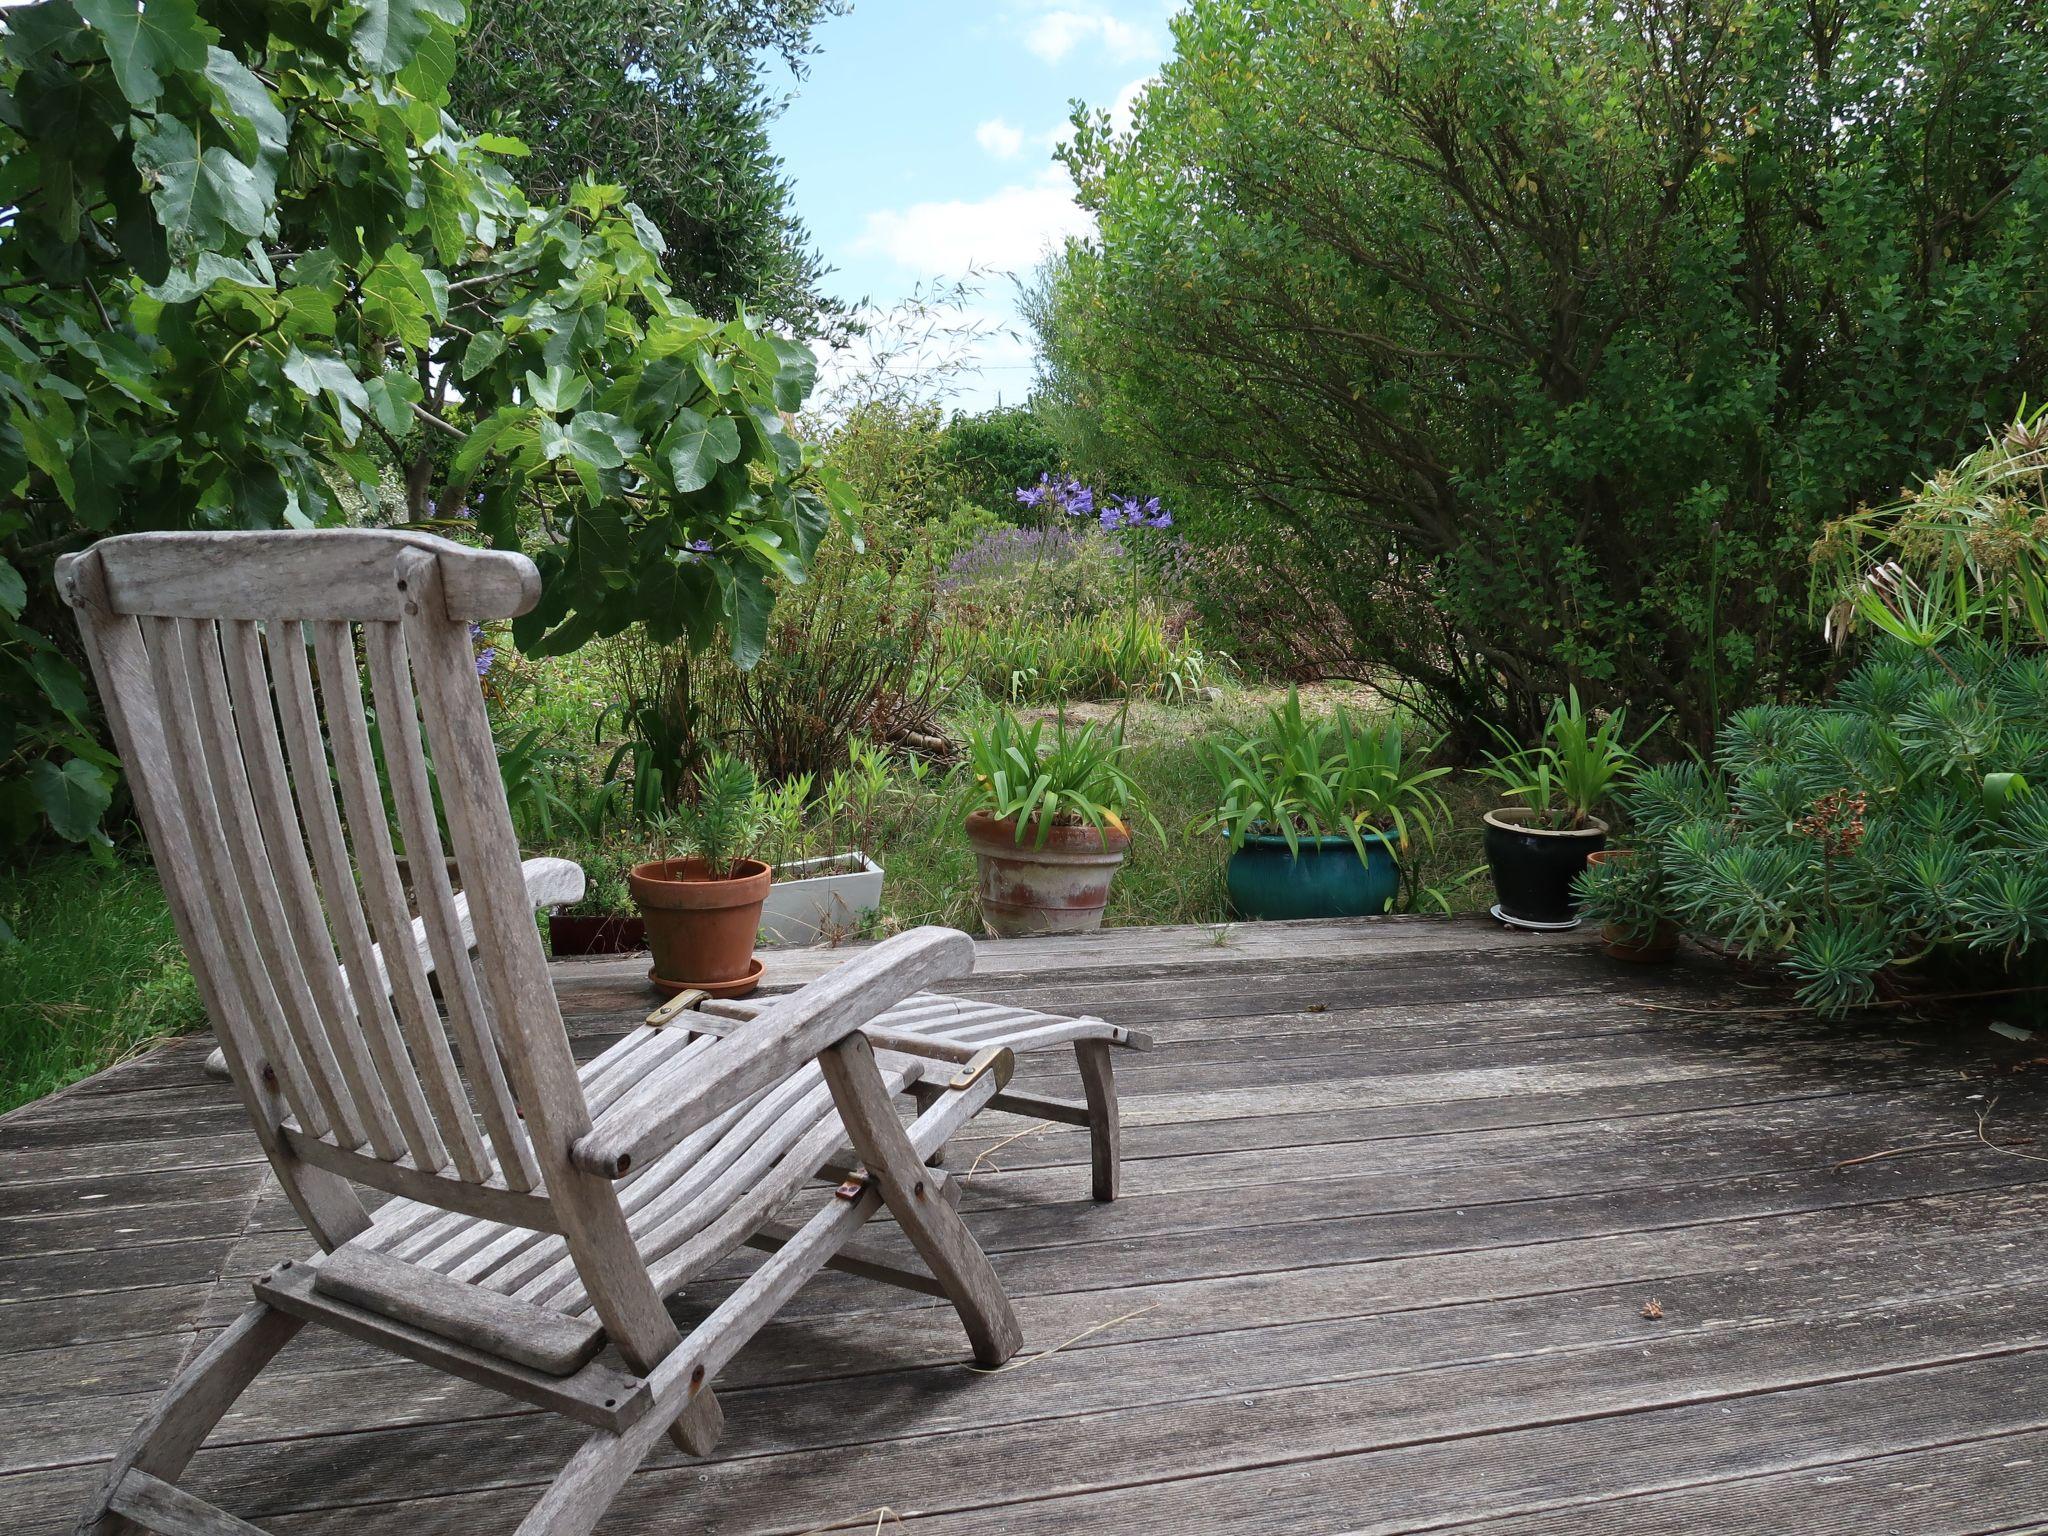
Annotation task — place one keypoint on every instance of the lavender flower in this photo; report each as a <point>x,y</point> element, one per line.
<point>484,658</point>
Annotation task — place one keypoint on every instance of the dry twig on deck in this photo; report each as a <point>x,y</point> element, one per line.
<point>987,1153</point>
<point>1018,1365</point>
<point>850,1522</point>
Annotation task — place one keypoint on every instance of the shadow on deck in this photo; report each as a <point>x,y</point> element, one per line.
<point>1426,1226</point>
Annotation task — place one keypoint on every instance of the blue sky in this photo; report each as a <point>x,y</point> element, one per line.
<point>921,147</point>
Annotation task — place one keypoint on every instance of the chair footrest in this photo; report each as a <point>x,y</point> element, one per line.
<point>505,1326</point>
<point>597,1395</point>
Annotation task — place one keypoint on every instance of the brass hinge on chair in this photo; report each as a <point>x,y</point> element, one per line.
<point>998,1059</point>
<point>680,1004</point>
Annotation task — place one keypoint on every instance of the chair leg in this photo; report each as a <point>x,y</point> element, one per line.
<point>1105,1135</point>
<point>697,1429</point>
<point>584,1489</point>
<point>909,1189</point>
<point>183,1417</point>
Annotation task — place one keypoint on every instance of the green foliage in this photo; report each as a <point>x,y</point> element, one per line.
<point>721,819</point>
<point>1025,659</point>
<point>992,452</point>
<point>891,453</point>
<point>851,654</point>
<point>1331,776</point>
<point>252,260</point>
<point>668,99</point>
<point>1858,838</point>
<point>1542,339</point>
<point>1076,778</point>
<point>96,974</point>
<point>1967,553</point>
<point>1624,890</point>
<point>1572,770</point>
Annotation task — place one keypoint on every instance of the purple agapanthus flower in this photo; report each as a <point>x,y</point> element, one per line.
<point>487,655</point>
<point>1063,494</point>
<point>1130,512</point>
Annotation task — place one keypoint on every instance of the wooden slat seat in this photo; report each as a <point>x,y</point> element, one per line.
<point>752,1163</point>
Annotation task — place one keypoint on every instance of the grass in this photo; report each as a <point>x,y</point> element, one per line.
<point>97,974</point>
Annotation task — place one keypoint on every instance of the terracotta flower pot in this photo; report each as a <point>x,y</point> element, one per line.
<point>1060,886</point>
<point>1625,944</point>
<point>701,930</point>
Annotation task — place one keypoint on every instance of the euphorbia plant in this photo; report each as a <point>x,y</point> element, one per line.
<point>723,819</point>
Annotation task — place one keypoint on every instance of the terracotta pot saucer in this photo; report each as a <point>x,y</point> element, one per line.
<point>739,986</point>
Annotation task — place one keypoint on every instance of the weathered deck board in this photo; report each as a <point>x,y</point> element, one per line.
<point>1396,1194</point>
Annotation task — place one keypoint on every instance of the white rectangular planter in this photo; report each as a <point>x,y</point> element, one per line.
<point>823,905</point>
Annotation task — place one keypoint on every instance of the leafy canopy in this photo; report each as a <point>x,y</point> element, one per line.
<point>668,99</point>
<point>251,263</point>
<point>1543,337</point>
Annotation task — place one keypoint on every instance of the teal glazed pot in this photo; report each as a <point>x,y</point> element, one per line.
<point>1326,879</point>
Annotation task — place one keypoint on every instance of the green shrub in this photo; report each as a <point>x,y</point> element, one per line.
<point>1624,891</point>
<point>1540,339</point>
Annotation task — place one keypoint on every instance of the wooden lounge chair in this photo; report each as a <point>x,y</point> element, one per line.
<point>542,1214</point>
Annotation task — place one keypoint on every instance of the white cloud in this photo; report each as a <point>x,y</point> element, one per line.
<point>1056,33</point>
<point>1007,231</point>
<point>1000,139</point>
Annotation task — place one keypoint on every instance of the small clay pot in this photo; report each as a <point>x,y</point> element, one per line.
<point>700,929</point>
<point>1623,944</point>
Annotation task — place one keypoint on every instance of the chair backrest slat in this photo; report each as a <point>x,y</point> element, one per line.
<point>261,903</point>
<point>363,804</point>
<point>304,919</point>
<point>292,679</point>
<point>253,1012</point>
<point>405,762</point>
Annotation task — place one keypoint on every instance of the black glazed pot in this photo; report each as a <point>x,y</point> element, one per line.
<point>1533,869</point>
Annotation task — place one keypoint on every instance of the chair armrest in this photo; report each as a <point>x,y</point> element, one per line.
<point>789,1032</point>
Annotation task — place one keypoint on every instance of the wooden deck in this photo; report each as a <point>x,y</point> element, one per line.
<point>1403,1201</point>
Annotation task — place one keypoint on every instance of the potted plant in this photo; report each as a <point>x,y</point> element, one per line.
<point>818,896</point>
<point>598,924</point>
<point>1317,812</point>
<point>1622,889</point>
<point>704,910</point>
<point>1047,823</point>
<point>1536,847</point>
